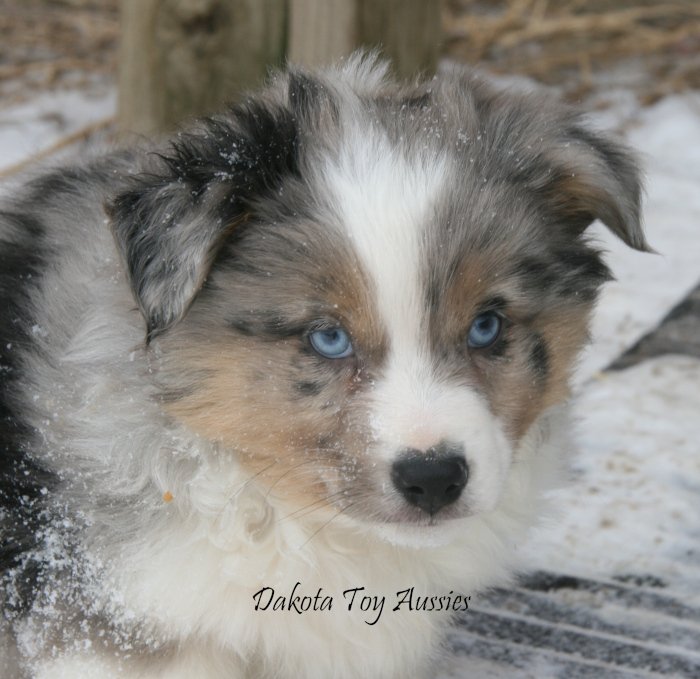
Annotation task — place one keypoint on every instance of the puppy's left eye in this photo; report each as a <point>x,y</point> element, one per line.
<point>484,330</point>
<point>333,343</point>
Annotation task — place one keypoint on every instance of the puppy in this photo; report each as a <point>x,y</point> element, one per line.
<point>280,393</point>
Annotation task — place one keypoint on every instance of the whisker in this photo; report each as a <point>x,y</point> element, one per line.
<point>245,483</point>
<point>244,486</point>
<point>323,499</point>
<point>335,516</point>
<point>312,482</point>
<point>301,464</point>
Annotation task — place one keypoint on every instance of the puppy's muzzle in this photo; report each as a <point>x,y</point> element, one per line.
<point>432,479</point>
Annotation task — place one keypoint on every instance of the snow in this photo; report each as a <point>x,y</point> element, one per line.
<point>634,506</point>
<point>33,127</point>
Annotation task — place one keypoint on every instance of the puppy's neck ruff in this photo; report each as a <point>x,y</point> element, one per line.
<point>227,555</point>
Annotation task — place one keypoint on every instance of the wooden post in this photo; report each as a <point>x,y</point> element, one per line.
<point>408,32</point>
<point>321,31</point>
<point>182,58</point>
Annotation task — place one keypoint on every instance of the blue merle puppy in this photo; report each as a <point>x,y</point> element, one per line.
<point>325,338</point>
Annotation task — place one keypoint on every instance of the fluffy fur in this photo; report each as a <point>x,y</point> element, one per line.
<point>172,442</point>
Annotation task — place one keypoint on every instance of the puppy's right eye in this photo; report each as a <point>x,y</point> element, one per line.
<point>333,343</point>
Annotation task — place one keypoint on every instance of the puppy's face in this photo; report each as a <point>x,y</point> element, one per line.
<point>393,304</point>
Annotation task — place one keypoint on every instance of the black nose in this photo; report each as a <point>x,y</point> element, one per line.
<point>433,479</point>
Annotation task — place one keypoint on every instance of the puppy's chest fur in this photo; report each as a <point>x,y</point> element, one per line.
<point>324,338</point>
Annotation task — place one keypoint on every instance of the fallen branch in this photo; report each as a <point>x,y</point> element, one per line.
<point>523,22</point>
<point>52,66</point>
<point>645,43</point>
<point>81,134</point>
<point>622,21</point>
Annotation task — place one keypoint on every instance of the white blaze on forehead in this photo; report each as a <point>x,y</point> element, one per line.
<point>385,199</point>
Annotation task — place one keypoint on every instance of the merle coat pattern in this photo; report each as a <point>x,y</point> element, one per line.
<point>172,438</point>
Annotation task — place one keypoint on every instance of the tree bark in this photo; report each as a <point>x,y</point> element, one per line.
<point>322,31</point>
<point>408,32</point>
<point>184,58</point>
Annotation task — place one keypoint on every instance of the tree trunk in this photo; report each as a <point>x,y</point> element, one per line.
<point>321,31</point>
<point>408,32</point>
<point>183,58</point>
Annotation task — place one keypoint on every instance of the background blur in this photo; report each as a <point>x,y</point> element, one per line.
<point>650,47</point>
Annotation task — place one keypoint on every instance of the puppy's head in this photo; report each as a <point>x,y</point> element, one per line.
<point>369,293</point>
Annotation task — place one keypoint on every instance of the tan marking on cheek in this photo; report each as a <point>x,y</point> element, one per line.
<point>247,402</point>
<point>286,414</point>
<point>516,394</point>
<point>566,334</point>
<point>526,396</point>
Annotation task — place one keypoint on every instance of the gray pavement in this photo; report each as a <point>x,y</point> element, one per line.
<point>678,333</point>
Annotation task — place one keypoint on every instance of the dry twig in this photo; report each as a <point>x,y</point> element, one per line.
<point>80,135</point>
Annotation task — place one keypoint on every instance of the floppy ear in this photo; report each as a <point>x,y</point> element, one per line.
<point>589,177</point>
<point>172,220</point>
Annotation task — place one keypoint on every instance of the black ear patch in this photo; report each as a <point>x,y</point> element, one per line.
<point>171,222</point>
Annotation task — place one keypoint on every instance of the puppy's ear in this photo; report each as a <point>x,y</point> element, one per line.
<point>172,220</point>
<point>588,177</point>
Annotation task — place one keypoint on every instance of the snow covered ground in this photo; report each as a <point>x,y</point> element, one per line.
<point>33,127</point>
<point>667,137</point>
<point>634,504</point>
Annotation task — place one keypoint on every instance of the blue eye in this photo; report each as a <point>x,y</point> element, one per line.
<point>485,330</point>
<point>333,343</point>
